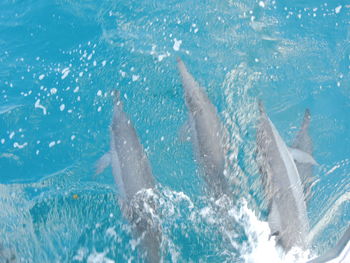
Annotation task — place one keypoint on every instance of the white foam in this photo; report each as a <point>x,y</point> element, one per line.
<point>208,215</point>
<point>163,56</point>
<point>9,155</point>
<point>177,44</point>
<point>42,76</point>
<point>20,146</point>
<point>338,9</point>
<point>65,73</point>
<point>38,105</point>
<point>122,73</point>
<point>111,232</point>
<point>96,257</point>
<point>53,91</point>
<point>62,107</point>
<point>260,248</point>
<point>80,254</point>
<point>333,169</point>
<point>135,77</point>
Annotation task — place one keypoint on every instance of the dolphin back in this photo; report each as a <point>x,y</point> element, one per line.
<point>133,175</point>
<point>129,160</point>
<point>282,185</point>
<point>207,133</point>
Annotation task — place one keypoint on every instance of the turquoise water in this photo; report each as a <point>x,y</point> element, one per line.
<point>61,59</point>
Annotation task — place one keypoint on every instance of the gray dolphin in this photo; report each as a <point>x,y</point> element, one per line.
<point>206,132</point>
<point>134,179</point>
<point>303,143</point>
<point>339,254</point>
<point>287,218</point>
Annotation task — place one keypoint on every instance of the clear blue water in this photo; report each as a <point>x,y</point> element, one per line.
<point>61,59</point>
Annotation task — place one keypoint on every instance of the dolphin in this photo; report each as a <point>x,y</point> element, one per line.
<point>303,143</point>
<point>287,217</point>
<point>207,133</point>
<point>133,176</point>
<point>339,254</point>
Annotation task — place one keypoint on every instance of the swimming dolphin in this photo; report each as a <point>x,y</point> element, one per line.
<point>134,179</point>
<point>287,218</point>
<point>206,132</point>
<point>339,254</point>
<point>303,143</point>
